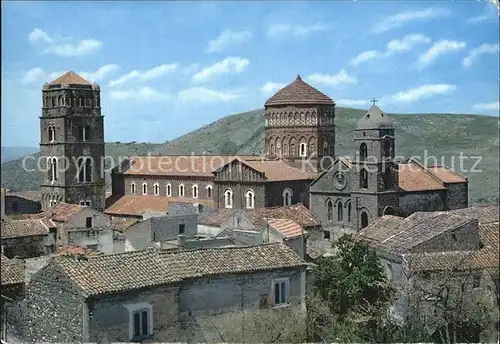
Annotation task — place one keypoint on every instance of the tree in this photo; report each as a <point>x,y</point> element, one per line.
<point>354,286</point>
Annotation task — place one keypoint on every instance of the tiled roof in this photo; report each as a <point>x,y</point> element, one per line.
<point>133,205</point>
<point>69,78</point>
<point>275,170</point>
<point>141,269</point>
<point>77,250</point>
<point>484,213</point>
<point>12,271</point>
<point>412,177</point>
<point>446,175</point>
<point>180,165</point>
<point>25,228</point>
<point>454,260</point>
<point>299,92</point>
<point>298,213</point>
<point>122,223</point>
<point>35,196</point>
<point>396,234</point>
<point>62,212</point>
<point>138,205</point>
<point>489,234</point>
<point>288,228</point>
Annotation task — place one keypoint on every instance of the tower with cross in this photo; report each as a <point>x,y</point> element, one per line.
<point>374,101</point>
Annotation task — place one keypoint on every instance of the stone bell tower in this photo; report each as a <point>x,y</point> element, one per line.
<point>72,143</point>
<point>300,126</point>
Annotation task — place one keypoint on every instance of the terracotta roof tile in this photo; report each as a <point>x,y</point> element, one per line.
<point>489,234</point>
<point>446,174</point>
<point>141,269</point>
<point>62,212</point>
<point>25,228</point>
<point>12,271</point>
<point>288,228</point>
<point>180,165</point>
<point>69,78</point>
<point>217,217</point>
<point>279,171</point>
<point>484,213</point>
<point>454,260</point>
<point>122,223</point>
<point>299,92</point>
<point>413,177</point>
<point>77,250</point>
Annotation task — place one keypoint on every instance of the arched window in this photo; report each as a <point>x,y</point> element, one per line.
<point>250,199</point>
<point>329,207</point>
<point>168,190</point>
<point>209,191</point>
<point>55,101</point>
<point>156,189</point>
<point>84,170</point>
<point>88,170</point>
<point>228,198</point>
<point>52,133</point>
<point>132,188</point>
<point>349,206</point>
<point>325,148</point>
<point>340,212</point>
<point>144,188</point>
<point>387,178</point>
<point>363,152</point>
<point>389,211</point>
<point>195,191</point>
<point>80,101</point>
<point>271,149</point>
<point>60,101</point>
<point>53,169</point>
<point>287,197</point>
<point>364,219</point>
<point>181,190</point>
<point>84,133</point>
<point>387,147</point>
<point>303,149</point>
<point>363,179</point>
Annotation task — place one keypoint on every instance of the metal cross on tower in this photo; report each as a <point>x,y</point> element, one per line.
<point>374,100</point>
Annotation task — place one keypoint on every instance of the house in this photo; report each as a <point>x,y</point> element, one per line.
<point>28,238</point>
<point>21,202</point>
<point>160,296</point>
<point>429,252</point>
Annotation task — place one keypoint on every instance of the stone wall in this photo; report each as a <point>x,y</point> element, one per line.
<point>464,238</point>
<point>100,239</point>
<point>163,181</point>
<point>457,196</point>
<point>28,247</point>
<point>422,201</point>
<point>274,192</point>
<point>15,204</point>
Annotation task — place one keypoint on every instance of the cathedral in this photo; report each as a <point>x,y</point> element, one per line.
<point>299,163</point>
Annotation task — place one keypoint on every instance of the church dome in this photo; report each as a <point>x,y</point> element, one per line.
<point>299,92</point>
<point>375,119</point>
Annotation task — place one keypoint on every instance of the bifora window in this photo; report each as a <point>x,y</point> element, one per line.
<point>281,289</point>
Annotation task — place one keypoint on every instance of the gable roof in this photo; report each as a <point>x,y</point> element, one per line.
<point>486,213</point>
<point>375,119</point>
<point>26,227</point>
<point>345,160</point>
<point>399,235</point>
<point>35,196</point>
<point>217,217</point>
<point>299,92</point>
<point>179,165</point>
<point>62,212</point>
<point>12,271</point>
<point>288,228</point>
<point>69,78</point>
<point>135,270</point>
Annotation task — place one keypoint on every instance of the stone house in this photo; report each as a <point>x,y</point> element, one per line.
<point>99,239</point>
<point>160,296</point>
<point>260,184</point>
<point>352,193</point>
<point>28,238</point>
<point>22,202</point>
<point>427,253</point>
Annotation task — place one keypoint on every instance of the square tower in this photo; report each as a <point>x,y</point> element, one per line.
<point>72,143</point>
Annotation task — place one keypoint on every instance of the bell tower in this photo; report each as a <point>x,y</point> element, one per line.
<point>375,176</point>
<point>72,143</point>
<point>300,126</point>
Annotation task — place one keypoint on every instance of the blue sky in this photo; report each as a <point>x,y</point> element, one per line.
<point>167,68</point>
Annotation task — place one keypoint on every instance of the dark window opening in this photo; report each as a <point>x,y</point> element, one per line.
<point>363,152</point>
<point>476,281</point>
<point>88,170</point>
<point>329,206</point>
<point>84,133</point>
<point>387,178</point>
<point>364,220</point>
<point>326,235</point>
<point>182,228</point>
<point>340,212</point>
<point>363,179</point>
<point>349,212</point>
<point>15,208</point>
<point>387,147</point>
<point>88,222</point>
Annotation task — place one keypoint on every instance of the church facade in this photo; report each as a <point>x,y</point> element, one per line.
<point>353,192</point>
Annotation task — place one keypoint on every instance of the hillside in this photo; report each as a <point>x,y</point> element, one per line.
<point>445,136</point>
<point>13,153</point>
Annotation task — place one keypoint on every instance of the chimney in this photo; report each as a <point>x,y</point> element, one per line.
<point>181,241</point>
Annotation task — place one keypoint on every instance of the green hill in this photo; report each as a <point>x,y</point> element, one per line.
<point>444,136</point>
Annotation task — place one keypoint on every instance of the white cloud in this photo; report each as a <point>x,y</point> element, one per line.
<point>352,103</point>
<point>202,94</point>
<point>398,20</point>
<point>284,30</point>
<point>364,56</point>
<point>143,94</point>
<point>271,87</point>
<point>147,75</point>
<point>439,48</point>
<point>38,75</point>
<point>227,38</point>
<point>475,53</point>
<point>64,46</point>
<point>340,78</point>
<point>394,46</point>
<point>414,94</point>
<point>226,66</point>
<point>477,19</point>
<point>487,106</point>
